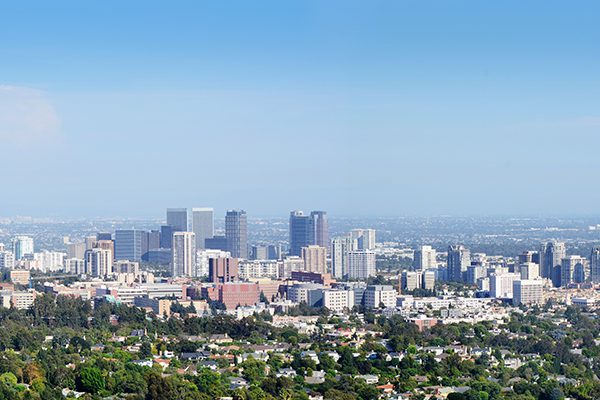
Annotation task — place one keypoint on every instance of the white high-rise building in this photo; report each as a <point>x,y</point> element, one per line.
<point>98,262</point>
<point>364,238</point>
<point>410,280</point>
<point>202,225</point>
<point>425,258</point>
<point>340,246</point>
<point>22,245</point>
<point>527,291</point>
<point>501,286</point>
<point>338,300</point>
<point>74,266</point>
<point>380,296</point>
<point>7,259</point>
<point>361,264</point>
<point>428,280</point>
<point>184,254</point>
<point>529,271</point>
<point>49,261</point>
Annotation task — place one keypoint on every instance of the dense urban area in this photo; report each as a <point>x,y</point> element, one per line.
<point>305,307</point>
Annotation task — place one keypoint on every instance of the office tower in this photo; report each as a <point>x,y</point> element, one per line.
<point>459,258</point>
<point>529,257</point>
<point>202,225</point>
<point>315,259</point>
<point>76,250</point>
<point>178,219</point>
<point>410,280</point>
<point>595,265</point>
<point>425,258</point>
<point>236,232</point>
<point>340,247</point>
<point>218,242</point>
<point>527,291</point>
<point>529,270</point>
<point>166,237</point>
<point>98,262</point>
<point>184,254</point>
<point>153,240</point>
<point>103,236</point>
<point>223,269</point>
<point>321,228</point>
<point>573,269</point>
<point>361,264</point>
<point>365,238</point>
<point>130,244</point>
<point>302,232</point>
<point>501,286</point>
<point>551,255</point>
<point>22,245</point>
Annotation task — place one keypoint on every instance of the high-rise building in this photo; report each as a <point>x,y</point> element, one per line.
<point>527,291</point>
<point>7,260</point>
<point>223,269</point>
<point>410,280</point>
<point>315,259</point>
<point>202,225</point>
<point>236,232</point>
<point>130,244</point>
<point>380,296</point>
<point>551,255</point>
<point>365,238</point>
<point>74,266</point>
<point>501,285</point>
<point>340,247</point>
<point>361,264</point>
<point>302,232</point>
<point>178,219</point>
<point>153,240</point>
<point>76,250</point>
<point>99,262</point>
<point>184,254</point>
<point>166,236</point>
<point>321,228</point>
<point>22,245</point>
<point>425,258</point>
<point>459,258</point>
<point>529,270</point>
<point>573,269</point>
<point>595,264</point>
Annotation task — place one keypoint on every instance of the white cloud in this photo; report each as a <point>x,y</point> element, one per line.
<point>26,116</point>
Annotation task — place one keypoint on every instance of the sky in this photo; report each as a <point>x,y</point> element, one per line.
<point>373,108</point>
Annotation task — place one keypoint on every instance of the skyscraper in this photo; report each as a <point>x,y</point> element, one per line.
<point>236,232</point>
<point>129,244</point>
<point>321,228</point>
<point>178,219</point>
<point>365,238</point>
<point>22,245</point>
<point>166,236</point>
<point>425,258</point>
<point>99,262</point>
<point>202,225</point>
<point>551,255</point>
<point>184,254</point>
<point>302,232</point>
<point>573,269</point>
<point>340,247</point>
<point>459,258</point>
<point>595,264</point>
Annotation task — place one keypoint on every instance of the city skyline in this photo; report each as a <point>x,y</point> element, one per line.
<point>424,95</point>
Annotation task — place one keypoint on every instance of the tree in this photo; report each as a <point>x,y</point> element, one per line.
<point>91,380</point>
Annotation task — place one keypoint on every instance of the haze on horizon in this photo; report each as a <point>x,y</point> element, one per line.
<point>358,108</point>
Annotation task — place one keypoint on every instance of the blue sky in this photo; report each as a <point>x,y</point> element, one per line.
<point>372,108</point>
